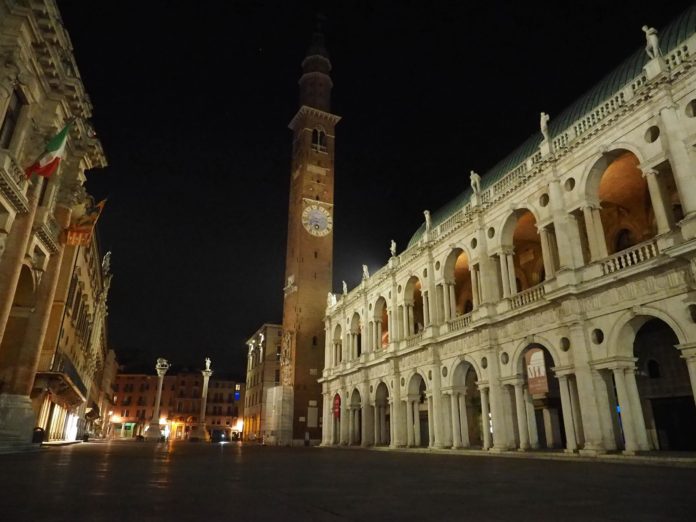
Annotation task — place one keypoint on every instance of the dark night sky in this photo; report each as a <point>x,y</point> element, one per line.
<point>192,101</point>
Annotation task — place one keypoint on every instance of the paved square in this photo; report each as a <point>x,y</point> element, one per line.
<point>129,481</point>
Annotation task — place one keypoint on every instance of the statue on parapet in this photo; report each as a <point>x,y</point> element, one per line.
<point>428,221</point>
<point>652,47</point>
<point>392,248</point>
<point>345,288</point>
<point>544,124</point>
<point>475,180</point>
<point>365,273</point>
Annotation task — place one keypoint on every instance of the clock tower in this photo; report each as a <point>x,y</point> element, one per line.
<point>309,256</point>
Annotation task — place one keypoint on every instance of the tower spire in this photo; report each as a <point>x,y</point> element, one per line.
<point>315,82</point>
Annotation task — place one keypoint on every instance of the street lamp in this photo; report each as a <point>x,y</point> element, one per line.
<point>154,430</point>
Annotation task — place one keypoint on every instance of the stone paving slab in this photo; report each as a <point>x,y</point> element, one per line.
<point>200,481</point>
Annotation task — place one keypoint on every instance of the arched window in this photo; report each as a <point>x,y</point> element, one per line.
<point>319,140</point>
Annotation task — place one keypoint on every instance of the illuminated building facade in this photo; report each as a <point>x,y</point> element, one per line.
<point>263,373</point>
<point>134,404</point>
<point>40,91</point>
<point>74,360</point>
<point>550,305</point>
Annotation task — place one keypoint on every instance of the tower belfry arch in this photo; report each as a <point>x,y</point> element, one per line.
<point>297,402</point>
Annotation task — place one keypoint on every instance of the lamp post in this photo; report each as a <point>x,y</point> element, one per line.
<point>154,430</point>
<point>199,432</point>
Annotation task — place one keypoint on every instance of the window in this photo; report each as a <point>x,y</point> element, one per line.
<point>319,140</point>
<point>10,122</point>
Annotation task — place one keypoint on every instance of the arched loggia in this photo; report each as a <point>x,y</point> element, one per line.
<point>412,309</point>
<point>355,419</point>
<point>382,416</point>
<point>462,409</point>
<point>418,413</point>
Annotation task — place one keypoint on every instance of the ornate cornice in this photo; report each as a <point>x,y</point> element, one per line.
<point>305,110</point>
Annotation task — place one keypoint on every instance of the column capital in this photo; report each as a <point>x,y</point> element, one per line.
<point>688,350</point>
<point>648,171</point>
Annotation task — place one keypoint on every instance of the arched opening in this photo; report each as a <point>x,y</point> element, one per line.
<point>418,409</point>
<point>337,345</point>
<point>535,406</point>
<point>319,140</point>
<point>355,336</point>
<point>523,258</point>
<point>15,331</point>
<point>381,318</point>
<point>355,420</point>
<point>664,387</point>
<point>382,416</point>
<point>465,425</point>
<point>458,273</point>
<point>413,307</point>
<point>626,208</point>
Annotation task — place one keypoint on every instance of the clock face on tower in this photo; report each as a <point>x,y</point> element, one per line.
<point>317,220</point>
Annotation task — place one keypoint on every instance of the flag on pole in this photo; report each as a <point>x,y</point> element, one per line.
<point>80,233</point>
<point>48,162</point>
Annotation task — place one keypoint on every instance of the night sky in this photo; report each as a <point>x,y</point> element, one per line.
<point>192,101</point>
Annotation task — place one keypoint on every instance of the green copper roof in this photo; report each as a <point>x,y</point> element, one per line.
<point>675,33</point>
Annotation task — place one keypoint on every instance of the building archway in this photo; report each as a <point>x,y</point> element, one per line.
<point>465,425</point>
<point>457,272</point>
<point>355,419</point>
<point>337,345</point>
<point>413,307</point>
<point>524,260</point>
<point>355,336</point>
<point>418,413</point>
<point>382,416</point>
<point>535,403</point>
<point>652,402</point>
<point>381,324</point>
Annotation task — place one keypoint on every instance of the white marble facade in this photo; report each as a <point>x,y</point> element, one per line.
<point>430,350</point>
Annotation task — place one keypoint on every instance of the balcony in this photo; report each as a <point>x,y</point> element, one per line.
<point>63,381</point>
<point>630,257</point>
<point>13,182</point>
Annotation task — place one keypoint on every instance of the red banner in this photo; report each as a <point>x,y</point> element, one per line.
<point>337,406</point>
<point>536,371</point>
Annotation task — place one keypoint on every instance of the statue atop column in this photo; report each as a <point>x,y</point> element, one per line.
<point>475,180</point>
<point>207,363</point>
<point>652,47</point>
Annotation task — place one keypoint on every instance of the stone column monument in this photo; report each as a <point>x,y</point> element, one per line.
<point>154,430</point>
<point>199,432</point>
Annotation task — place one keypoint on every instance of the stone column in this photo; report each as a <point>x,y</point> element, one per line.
<point>437,434</point>
<point>511,273</point>
<point>364,413</point>
<point>446,302</point>
<point>376,424</point>
<point>569,425</point>
<point>426,308</point>
<point>410,432</point>
<point>411,321</point>
<point>404,330</point>
<point>627,414</point>
<point>452,300</point>
<point>474,285</point>
<point>15,249</point>
<point>690,358</point>
<point>396,418</point>
<point>575,406</point>
<point>154,430</point>
<point>504,274</point>
<point>521,408</point>
<point>463,419</point>
<point>417,435</point>
<point>595,233</point>
<point>378,324</point>
<point>638,419</point>
<point>199,432</point>
<point>431,423</point>
<point>546,253</point>
<point>345,421</point>
<point>531,420</point>
<point>485,420</point>
<point>456,425</point>
<point>660,206</point>
<point>383,424</point>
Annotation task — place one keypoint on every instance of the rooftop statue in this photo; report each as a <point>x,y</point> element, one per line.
<point>428,221</point>
<point>652,47</point>
<point>475,182</point>
<point>392,248</point>
<point>544,124</point>
<point>345,288</point>
<point>366,272</point>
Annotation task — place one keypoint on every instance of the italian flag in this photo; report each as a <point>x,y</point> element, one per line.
<point>48,162</point>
